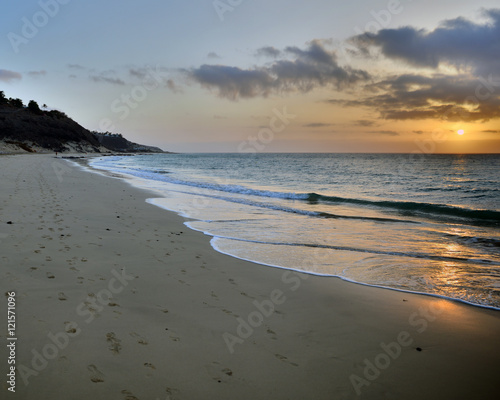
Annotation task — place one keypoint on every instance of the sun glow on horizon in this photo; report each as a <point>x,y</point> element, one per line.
<point>460,131</point>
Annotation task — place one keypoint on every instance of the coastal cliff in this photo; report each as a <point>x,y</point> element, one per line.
<point>33,130</point>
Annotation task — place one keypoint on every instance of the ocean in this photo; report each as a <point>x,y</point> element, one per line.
<point>417,223</point>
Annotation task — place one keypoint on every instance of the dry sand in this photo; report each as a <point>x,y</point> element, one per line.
<point>117,299</point>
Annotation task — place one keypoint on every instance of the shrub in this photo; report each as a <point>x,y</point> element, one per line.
<point>33,107</point>
<point>16,103</point>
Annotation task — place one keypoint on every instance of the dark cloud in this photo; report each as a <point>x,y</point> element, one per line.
<point>316,125</point>
<point>490,131</point>
<point>446,97</point>
<point>418,132</point>
<point>213,55</point>
<point>304,71</point>
<point>106,79</point>
<point>364,122</point>
<point>173,86</point>
<point>37,73</point>
<point>389,133</point>
<point>76,66</point>
<point>139,73</point>
<point>315,53</point>
<point>233,82</point>
<point>458,42</point>
<point>9,76</point>
<point>268,51</point>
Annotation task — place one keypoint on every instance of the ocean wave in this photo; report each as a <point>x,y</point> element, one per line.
<point>297,210</point>
<point>429,210</point>
<point>371,251</point>
<point>486,242</point>
<point>415,207</point>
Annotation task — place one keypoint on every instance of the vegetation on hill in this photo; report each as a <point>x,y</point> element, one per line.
<point>30,126</point>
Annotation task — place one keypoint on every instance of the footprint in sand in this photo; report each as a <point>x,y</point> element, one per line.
<point>272,333</point>
<point>128,395</point>
<point>96,376</point>
<point>171,392</point>
<point>70,329</point>
<point>217,373</point>
<point>50,275</point>
<point>139,338</point>
<point>62,296</point>
<point>175,338</point>
<point>115,345</point>
<point>285,359</point>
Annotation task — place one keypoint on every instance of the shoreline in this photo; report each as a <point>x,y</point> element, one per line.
<point>130,178</point>
<point>162,334</point>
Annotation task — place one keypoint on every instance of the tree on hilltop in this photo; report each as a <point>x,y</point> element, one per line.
<point>33,107</point>
<point>16,103</point>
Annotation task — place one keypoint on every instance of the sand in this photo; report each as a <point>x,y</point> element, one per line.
<point>117,299</point>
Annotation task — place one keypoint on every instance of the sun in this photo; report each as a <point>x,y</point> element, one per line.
<point>460,131</point>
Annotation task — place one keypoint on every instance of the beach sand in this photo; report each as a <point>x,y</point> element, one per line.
<point>117,299</point>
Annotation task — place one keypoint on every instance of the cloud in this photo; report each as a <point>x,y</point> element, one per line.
<point>37,73</point>
<point>457,42</point>
<point>389,133</point>
<point>152,77</point>
<point>76,66</point>
<point>445,97</point>
<point>9,76</point>
<point>213,55</point>
<point>418,132</point>
<point>305,70</point>
<point>105,79</point>
<point>268,51</point>
<point>139,73</point>
<point>471,93</point>
<point>364,122</point>
<point>490,131</point>
<point>316,125</point>
<point>173,86</point>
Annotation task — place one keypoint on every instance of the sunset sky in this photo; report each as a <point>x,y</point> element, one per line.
<point>271,76</point>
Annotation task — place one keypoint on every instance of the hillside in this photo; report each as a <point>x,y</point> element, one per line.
<point>30,129</point>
